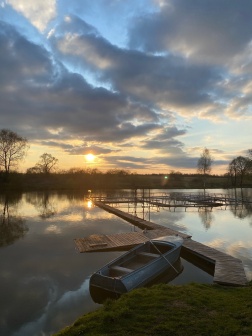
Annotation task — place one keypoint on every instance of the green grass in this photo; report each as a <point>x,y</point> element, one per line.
<point>166,310</point>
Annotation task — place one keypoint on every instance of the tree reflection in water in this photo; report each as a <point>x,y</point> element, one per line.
<point>12,226</point>
<point>43,203</point>
<point>206,216</point>
<point>241,210</point>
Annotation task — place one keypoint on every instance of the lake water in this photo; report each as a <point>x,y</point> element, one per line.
<point>44,280</point>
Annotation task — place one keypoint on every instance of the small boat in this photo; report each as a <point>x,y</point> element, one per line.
<point>137,267</point>
<point>100,295</point>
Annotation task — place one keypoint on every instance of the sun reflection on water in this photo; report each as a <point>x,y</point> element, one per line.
<point>90,204</point>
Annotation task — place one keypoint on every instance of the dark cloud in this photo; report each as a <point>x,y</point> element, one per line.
<point>156,163</point>
<point>39,92</point>
<point>95,150</point>
<point>165,141</point>
<point>22,62</point>
<point>166,81</point>
<point>127,162</point>
<point>209,30</point>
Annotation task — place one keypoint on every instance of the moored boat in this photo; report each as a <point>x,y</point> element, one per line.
<point>138,266</point>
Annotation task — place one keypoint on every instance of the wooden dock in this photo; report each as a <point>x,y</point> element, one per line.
<point>226,270</point>
<point>175,199</point>
<point>141,223</point>
<point>118,241</point>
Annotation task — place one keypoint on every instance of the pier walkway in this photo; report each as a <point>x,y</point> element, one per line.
<point>178,199</point>
<point>226,269</point>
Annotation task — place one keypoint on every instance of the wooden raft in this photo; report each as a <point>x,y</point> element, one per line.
<point>118,241</point>
<point>114,242</point>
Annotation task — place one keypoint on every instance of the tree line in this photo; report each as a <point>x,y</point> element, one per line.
<point>14,147</point>
<point>239,168</point>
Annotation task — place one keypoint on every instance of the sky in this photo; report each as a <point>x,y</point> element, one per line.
<point>143,85</point>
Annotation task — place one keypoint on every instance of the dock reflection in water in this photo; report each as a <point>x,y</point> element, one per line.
<point>101,295</point>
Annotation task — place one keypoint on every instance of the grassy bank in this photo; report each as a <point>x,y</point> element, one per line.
<point>192,309</point>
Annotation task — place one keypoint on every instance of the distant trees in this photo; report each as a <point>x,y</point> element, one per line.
<point>240,167</point>
<point>13,148</point>
<point>45,165</point>
<point>205,164</point>
<point>120,172</point>
<point>250,154</point>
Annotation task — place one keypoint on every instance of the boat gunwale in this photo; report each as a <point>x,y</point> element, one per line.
<point>175,245</point>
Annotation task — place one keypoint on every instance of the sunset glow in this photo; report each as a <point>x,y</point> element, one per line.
<point>90,157</point>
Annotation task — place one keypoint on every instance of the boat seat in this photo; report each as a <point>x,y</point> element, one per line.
<point>121,269</point>
<point>147,254</point>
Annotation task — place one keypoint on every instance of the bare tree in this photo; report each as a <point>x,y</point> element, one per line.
<point>239,167</point>
<point>205,164</point>
<point>249,158</point>
<point>46,164</point>
<point>12,149</point>
<point>232,172</point>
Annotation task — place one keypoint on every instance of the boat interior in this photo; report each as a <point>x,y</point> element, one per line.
<point>138,259</point>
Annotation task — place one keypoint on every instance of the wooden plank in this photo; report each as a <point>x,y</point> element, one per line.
<point>99,244</point>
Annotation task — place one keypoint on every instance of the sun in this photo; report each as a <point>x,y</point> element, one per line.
<point>90,157</point>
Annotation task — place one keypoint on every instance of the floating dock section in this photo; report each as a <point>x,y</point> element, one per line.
<point>226,270</point>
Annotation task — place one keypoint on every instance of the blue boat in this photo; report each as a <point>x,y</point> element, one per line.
<point>137,267</point>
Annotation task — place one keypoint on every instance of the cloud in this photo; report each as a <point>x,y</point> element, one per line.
<point>48,96</point>
<point>171,159</point>
<point>166,81</point>
<point>210,31</point>
<point>39,12</point>
<point>210,37</point>
<point>84,149</point>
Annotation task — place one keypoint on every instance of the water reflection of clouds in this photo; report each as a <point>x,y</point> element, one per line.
<point>94,216</point>
<point>53,229</point>
<point>172,220</point>
<point>218,244</point>
<point>55,304</point>
<point>238,249</point>
<point>71,217</point>
<point>52,298</point>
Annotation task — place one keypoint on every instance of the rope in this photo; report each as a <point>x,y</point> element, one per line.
<point>163,256</point>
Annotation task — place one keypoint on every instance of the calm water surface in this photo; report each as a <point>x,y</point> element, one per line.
<point>44,280</point>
